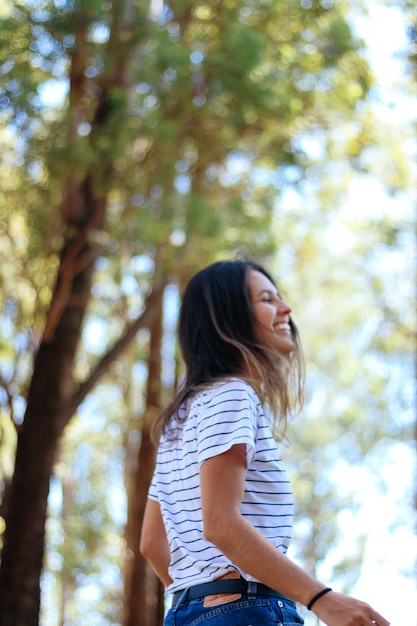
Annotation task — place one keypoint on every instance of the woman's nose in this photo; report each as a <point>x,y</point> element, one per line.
<point>284,308</point>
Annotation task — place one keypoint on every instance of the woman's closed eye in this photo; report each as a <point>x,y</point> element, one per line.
<point>270,299</point>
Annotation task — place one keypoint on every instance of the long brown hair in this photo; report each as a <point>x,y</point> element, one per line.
<point>218,340</point>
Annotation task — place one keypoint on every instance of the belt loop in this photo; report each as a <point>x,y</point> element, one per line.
<point>252,588</point>
<point>181,598</point>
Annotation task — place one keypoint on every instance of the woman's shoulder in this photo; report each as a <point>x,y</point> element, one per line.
<point>227,389</point>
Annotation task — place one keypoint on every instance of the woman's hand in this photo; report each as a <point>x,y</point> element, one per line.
<point>336,609</point>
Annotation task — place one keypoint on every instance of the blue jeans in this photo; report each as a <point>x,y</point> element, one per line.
<point>247,611</point>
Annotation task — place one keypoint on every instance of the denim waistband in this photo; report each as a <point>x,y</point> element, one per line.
<point>239,585</point>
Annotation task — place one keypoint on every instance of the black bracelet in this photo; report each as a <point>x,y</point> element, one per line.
<point>317,596</point>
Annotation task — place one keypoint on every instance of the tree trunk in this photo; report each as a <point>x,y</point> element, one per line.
<point>49,393</point>
<point>52,398</point>
<point>142,589</point>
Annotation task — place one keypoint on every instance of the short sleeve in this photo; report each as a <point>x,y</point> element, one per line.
<point>228,417</point>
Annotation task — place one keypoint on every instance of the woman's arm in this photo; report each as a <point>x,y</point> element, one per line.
<point>153,543</point>
<point>222,488</point>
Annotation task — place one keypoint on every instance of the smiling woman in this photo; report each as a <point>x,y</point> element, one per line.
<point>272,315</point>
<point>219,515</point>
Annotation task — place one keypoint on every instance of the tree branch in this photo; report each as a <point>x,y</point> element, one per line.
<point>143,321</point>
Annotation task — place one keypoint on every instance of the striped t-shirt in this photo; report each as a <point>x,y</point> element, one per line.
<point>228,413</point>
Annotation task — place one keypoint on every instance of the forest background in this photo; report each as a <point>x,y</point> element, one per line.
<point>141,141</point>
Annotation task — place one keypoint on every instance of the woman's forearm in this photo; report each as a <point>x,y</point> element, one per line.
<point>252,553</point>
<point>222,484</point>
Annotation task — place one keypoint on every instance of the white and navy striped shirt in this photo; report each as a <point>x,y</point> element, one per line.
<point>218,418</point>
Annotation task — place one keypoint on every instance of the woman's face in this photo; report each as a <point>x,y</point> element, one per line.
<point>272,315</point>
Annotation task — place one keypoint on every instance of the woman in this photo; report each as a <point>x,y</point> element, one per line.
<point>219,514</point>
